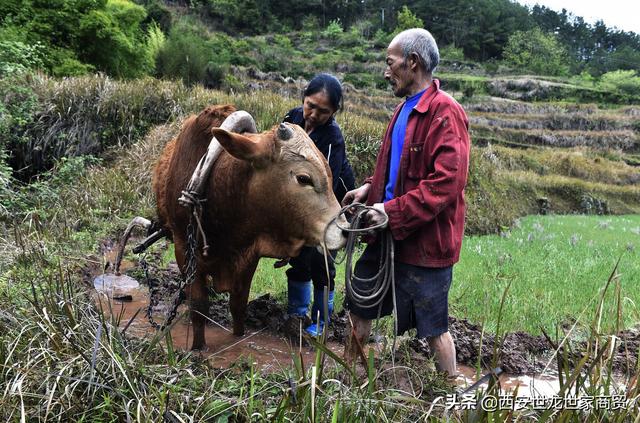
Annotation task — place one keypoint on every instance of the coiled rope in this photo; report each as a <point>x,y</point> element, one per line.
<point>369,292</point>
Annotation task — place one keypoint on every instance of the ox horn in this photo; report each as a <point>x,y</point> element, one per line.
<point>238,122</point>
<point>284,132</point>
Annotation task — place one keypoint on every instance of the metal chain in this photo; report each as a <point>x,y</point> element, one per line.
<point>190,274</point>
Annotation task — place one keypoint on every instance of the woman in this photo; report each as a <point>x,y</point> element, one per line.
<point>321,100</point>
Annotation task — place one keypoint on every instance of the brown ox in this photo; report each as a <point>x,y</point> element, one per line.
<point>266,196</point>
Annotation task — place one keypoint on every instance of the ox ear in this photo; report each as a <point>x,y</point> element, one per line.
<point>253,148</point>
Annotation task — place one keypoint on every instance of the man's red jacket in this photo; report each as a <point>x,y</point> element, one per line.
<point>426,215</point>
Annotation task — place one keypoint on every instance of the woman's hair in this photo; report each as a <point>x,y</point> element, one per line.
<point>329,84</point>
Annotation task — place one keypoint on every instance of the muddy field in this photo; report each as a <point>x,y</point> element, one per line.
<point>271,337</point>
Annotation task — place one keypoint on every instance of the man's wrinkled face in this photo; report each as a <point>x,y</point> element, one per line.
<point>398,72</point>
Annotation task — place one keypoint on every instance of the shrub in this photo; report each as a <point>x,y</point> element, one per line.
<point>333,30</point>
<point>537,52</point>
<point>79,116</point>
<point>155,42</point>
<point>18,57</point>
<point>239,15</point>
<point>71,66</point>
<point>360,55</point>
<point>159,15</point>
<point>282,41</point>
<point>626,81</point>
<point>351,38</point>
<point>310,23</point>
<point>184,55</point>
<point>230,83</point>
<point>6,190</point>
<point>381,39</point>
<point>112,39</point>
<point>17,112</point>
<point>407,20</point>
<point>451,52</point>
<point>216,73</point>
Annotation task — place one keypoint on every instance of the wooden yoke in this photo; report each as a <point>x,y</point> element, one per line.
<point>239,121</point>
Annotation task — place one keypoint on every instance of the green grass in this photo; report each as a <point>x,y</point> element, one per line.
<point>556,266</point>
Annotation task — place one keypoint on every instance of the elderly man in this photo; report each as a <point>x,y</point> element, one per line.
<point>419,182</point>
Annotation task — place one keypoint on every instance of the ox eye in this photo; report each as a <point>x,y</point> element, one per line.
<point>304,180</point>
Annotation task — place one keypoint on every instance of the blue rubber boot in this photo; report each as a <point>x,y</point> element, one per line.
<point>299,297</point>
<point>318,310</point>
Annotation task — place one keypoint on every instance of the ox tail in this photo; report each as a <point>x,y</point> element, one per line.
<point>137,221</point>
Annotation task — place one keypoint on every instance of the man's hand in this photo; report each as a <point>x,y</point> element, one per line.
<point>377,216</point>
<point>358,195</point>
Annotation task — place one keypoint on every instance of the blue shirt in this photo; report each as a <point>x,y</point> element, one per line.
<point>397,141</point>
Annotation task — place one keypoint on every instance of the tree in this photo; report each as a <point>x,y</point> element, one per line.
<point>407,19</point>
<point>537,52</point>
<point>112,39</point>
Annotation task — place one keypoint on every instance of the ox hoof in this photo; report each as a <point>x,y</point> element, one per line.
<point>238,330</point>
<point>199,346</point>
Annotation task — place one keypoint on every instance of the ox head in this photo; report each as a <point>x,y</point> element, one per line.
<point>291,186</point>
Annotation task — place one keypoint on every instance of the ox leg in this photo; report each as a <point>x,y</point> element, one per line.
<point>199,297</point>
<point>239,298</point>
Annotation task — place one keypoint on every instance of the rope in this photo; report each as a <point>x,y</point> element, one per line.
<point>192,199</point>
<point>379,284</point>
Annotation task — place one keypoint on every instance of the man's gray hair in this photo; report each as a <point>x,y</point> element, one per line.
<point>421,42</point>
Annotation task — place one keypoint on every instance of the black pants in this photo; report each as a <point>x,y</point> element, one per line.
<point>310,265</point>
<point>422,295</point>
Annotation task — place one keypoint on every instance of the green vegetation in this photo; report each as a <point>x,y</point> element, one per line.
<point>76,156</point>
<point>118,37</point>
<point>556,267</point>
<point>522,151</point>
<point>536,52</point>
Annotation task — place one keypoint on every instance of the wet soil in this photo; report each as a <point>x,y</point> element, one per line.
<point>271,336</point>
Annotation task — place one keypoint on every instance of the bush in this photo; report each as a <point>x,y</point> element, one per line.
<point>282,41</point>
<point>359,55</point>
<point>159,15</point>
<point>113,41</point>
<point>537,52</point>
<point>310,23</point>
<point>407,20</point>
<point>18,57</point>
<point>625,81</point>
<point>238,15</point>
<point>184,56</point>
<point>361,80</point>
<point>80,116</point>
<point>381,39</point>
<point>17,112</point>
<point>333,30</point>
<point>70,66</point>
<point>6,190</point>
<point>351,38</point>
<point>216,73</point>
<point>155,42</point>
<point>452,53</point>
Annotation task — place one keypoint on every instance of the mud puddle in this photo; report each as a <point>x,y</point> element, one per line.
<point>268,352</point>
<point>540,385</point>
